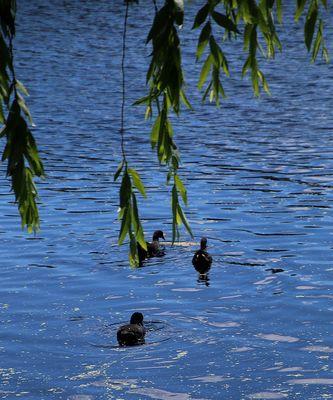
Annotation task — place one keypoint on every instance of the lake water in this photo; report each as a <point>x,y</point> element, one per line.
<point>259,178</point>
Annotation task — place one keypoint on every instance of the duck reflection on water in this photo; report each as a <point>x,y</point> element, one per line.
<point>202,262</point>
<point>203,279</point>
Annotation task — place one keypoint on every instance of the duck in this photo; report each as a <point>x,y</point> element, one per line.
<point>201,260</point>
<point>133,333</point>
<point>153,248</point>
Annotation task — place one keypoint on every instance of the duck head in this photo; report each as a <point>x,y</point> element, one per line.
<point>137,318</point>
<point>203,243</point>
<point>158,235</point>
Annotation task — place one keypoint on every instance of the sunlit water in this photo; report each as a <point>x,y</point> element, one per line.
<point>259,179</point>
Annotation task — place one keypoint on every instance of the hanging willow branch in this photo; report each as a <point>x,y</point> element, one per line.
<point>128,208</point>
<point>166,82</point>
<point>23,162</point>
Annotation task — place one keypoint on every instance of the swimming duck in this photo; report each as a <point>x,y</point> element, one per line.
<point>201,259</point>
<point>153,248</point>
<point>132,333</point>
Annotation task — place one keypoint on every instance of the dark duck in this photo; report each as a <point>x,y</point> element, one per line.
<point>133,333</point>
<point>153,249</point>
<point>201,260</point>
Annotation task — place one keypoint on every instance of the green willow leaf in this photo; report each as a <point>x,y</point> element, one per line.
<point>318,41</point>
<point>125,190</point>
<point>24,108</point>
<point>118,171</point>
<point>201,16</point>
<point>246,66</point>
<point>142,100</point>
<point>255,81</point>
<point>205,70</point>
<point>224,22</point>
<point>325,54</point>
<point>224,63</point>
<point>215,51</point>
<point>181,188</point>
<point>247,35</point>
<point>264,82</point>
<point>279,11</point>
<point>19,86</point>
<point>133,254</point>
<point>206,91</point>
<point>136,221</point>
<point>158,23</point>
<point>253,44</point>
<point>125,225</point>
<point>203,39</point>
<point>137,181</point>
<point>185,99</point>
<point>299,9</point>
<point>309,26</point>
<point>183,218</point>
<point>216,85</point>
<point>2,115</point>
<point>174,206</point>
<point>155,131</point>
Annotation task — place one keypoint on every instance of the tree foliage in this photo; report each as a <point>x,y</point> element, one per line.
<point>254,22</point>
<point>20,151</point>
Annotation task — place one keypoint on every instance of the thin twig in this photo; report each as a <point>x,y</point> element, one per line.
<point>122,116</point>
<point>11,53</point>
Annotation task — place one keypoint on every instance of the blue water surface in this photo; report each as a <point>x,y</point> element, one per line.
<point>259,178</point>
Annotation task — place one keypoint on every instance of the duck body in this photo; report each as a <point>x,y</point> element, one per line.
<point>153,249</point>
<point>133,333</point>
<point>202,260</point>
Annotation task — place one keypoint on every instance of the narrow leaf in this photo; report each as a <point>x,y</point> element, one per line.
<point>185,99</point>
<point>118,171</point>
<point>224,21</point>
<point>201,16</point>
<point>216,51</point>
<point>174,205</point>
<point>125,225</point>
<point>125,190</point>
<point>181,188</point>
<point>2,116</point>
<point>317,42</point>
<point>299,9</point>
<point>309,26</point>
<point>205,71</point>
<point>184,220</point>
<point>155,131</point>
<point>21,88</point>
<point>137,181</point>
<point>279,11</point>
<point>203,39</point>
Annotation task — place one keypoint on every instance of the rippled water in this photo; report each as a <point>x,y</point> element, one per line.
<point>259,176</point>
